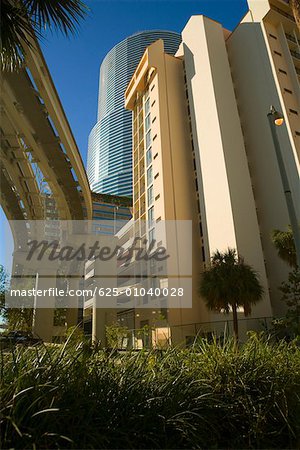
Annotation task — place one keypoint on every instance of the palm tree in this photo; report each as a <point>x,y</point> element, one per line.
<point>23,20</point>
<point>295,5</point>
<point>285,246</point>
<point>229,284</point>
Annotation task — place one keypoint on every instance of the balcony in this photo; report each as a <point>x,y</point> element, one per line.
<point>283,13</point>
<point>296,58</point>
<point>295,54</point>
<point>291,38</point>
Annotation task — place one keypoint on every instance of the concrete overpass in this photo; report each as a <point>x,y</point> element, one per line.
<point>35,134</point>
<point>38,150</point>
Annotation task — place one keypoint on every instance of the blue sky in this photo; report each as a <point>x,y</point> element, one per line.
<point>74,62</point>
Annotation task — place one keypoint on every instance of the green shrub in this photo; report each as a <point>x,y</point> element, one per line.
<point>115,334</point>
<point>208,396</point>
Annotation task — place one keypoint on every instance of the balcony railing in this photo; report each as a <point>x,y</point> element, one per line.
<point>295,54</point>
<point>283,13</point>
<point>290,37</point>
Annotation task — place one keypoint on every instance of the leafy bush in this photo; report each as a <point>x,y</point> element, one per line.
<point>208,396</point>
<point>115,334</point>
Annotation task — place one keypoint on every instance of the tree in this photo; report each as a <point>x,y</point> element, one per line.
<point>15,318</point>
<point>22,21</point>
<point>4,282</point>
<point>291,296</point>
<point>285,246</point>
<point>19,319</point>
<point>229,284</point>
<point>295,5</point>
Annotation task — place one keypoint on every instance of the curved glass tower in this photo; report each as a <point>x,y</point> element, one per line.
<point>109,164</point>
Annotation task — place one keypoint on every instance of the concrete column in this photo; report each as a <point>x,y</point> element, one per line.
<point>98,325</point>
<point>72,309</point>
<point>44,309</point>
<point>104,306</point>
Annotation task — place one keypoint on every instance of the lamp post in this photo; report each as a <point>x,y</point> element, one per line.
<point>115,218</point>
<point>276,119</point>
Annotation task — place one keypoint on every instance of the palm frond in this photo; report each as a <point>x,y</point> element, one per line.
<point>16,30</point>
<point>64,15</point>
<point>22,21</point>
<point>285,246</point>
<point>229,281</point>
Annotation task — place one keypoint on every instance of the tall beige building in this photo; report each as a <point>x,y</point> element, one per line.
<point>264,55</point>
<point>203,149</point>
<point>164,189</point>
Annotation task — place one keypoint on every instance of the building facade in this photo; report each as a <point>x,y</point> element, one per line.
<point>163,189</point>
<point>109,164</point>
<point>110,214</point>
<point>203,149</point>
<point>264,55</point>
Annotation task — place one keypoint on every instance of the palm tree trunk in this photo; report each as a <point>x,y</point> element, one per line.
<point>235,323</point>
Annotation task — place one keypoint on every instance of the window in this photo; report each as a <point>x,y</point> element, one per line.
<point>288,91</point>
<point>150,195</point>
<point>282,71</point>
<point>151,215</point>
<point>154,282</point>
<point>201,230</point>
<point>152,88</point>
<point>147,106</point>
<point>297,133</point>
<point>157,197</point>
<point>154,119</point>
<point>277,53</point>
<point>148,139</point>
<point>151,235</point>
<point>153,103</point>
<point>155,156</point>
<point>141,134</point>
<point>156,176</point>
<point>272,36</point>
<point>149,156</point>
<point>147,122</point>
<point>149,175</point>
<point>155,136</point>
<point>293,111</point>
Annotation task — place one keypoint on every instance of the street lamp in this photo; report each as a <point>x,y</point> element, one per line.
<point>277,116</point>
<point>115,218</point>
<point>276,119</point>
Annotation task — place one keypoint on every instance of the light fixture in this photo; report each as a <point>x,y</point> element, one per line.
<point>276,119</point>
<point>277,116</point>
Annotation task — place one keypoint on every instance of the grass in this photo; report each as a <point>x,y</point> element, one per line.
<point>209,396</point>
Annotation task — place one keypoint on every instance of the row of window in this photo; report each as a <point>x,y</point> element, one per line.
<point>150,195</point>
